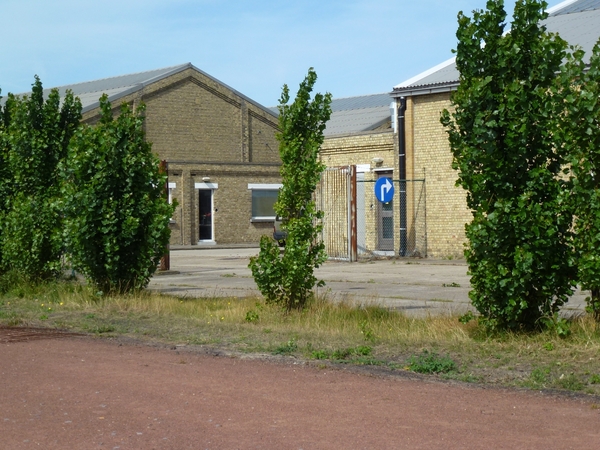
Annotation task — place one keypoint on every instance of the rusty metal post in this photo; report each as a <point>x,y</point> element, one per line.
<point>165,261</point>
<point>353,256</point>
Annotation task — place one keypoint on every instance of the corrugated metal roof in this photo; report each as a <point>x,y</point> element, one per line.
<point>578,23</point>
<point>358,114</point>
<point>363,101</point>
<point>578,28</point>
<point>357,120</point>
<point>89,92</point>
<point>114,85</point>
<point>578,6</point>
<point>446,74</point>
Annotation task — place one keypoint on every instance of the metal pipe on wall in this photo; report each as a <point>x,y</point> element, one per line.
<point>402,174</point>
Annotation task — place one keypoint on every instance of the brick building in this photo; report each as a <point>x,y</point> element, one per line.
<point>360,133</point>
<point>420,101</point>
<point>220,146</point>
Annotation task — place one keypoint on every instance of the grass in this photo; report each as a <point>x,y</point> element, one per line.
<point>326,331</point>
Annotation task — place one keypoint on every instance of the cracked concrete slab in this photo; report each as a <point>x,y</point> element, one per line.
<point>415,286</point>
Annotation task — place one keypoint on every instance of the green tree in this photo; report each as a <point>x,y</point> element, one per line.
<point>115,202</point>
<point>36,136</point>
<point>6,183</point>
<point>578,132</point>
<point>502,142</point>
<point>288,279</point>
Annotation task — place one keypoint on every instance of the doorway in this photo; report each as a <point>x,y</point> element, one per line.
<point>205,216</point>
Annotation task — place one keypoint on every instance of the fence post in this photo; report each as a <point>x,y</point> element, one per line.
<point>353,241</point>
<point>165,261</point>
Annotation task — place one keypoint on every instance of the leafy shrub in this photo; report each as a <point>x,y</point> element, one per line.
<point>34,136</point>
<point>341,353</point>
<point>319,354</point>
<point>502,137</point>
<point>289,279</point>
<point>115,202</point>
<point>32,238</point>
<point>367,331</point>
<point>466,317</point>
<point>560,325</point>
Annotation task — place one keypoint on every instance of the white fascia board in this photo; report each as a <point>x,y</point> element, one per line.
<point>264,187</point>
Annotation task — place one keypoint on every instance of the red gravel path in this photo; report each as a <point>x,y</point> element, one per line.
<point>81,393</point>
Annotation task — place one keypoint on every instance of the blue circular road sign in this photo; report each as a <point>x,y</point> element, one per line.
<point>384,190</point>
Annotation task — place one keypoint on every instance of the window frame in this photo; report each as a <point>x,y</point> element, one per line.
<point>262,187</point>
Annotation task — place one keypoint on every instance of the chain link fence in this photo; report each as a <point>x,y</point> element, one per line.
<point>395,228</point>
<point>356,224</point>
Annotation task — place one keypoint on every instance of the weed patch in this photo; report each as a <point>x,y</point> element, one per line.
<point>431,363</point>
<point>286,349</point>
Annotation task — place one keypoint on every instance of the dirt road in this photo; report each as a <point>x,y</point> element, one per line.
<point>84,393</point>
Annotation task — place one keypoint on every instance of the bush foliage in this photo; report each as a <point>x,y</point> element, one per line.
<point>288,279</point>
<point>115,202</point>
<point>34,137</point>
<point>502,136</point>
<point>94,193</point>
<point>578,131</point>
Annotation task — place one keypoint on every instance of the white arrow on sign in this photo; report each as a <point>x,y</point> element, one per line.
<point>385,188</point>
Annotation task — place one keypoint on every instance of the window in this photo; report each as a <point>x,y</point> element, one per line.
<point>172,187</point>
<point>264,197</point>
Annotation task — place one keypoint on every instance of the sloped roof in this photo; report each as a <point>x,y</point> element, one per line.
<point>89,92</point>
<point>573,6</point>
<point>358,114</point>
<point>576,21</point>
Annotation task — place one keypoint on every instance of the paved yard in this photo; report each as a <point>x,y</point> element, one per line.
<point>416,286</point>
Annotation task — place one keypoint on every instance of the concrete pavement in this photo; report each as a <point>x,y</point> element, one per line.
<point>415,286</point>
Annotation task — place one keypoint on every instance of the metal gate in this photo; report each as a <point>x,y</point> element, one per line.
<point>356,224</point>
<point>336,197</point>
<point>398,227</point>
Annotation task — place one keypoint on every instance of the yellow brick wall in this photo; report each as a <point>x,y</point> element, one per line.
<point>204,129</point>
<point>191,123</point>
<point>232,202</point>
<point>431,158</point>
<point>359,149</point>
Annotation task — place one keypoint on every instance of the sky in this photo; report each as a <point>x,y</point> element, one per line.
<point>357,47</point>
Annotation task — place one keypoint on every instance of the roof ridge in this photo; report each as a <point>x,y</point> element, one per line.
<point>560,6</point>
<point>170,68</point>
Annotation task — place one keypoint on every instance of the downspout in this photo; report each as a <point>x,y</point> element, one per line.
<point>402,175</point>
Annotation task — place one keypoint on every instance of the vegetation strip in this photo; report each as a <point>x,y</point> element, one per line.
<point>324,332</point>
